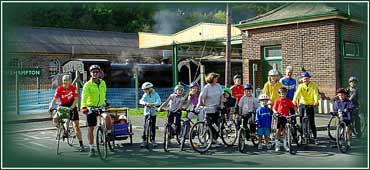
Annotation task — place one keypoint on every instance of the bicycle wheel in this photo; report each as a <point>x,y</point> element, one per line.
<point>342,138</point>
<point>110,140</point>
<point>356,127</point>
<point>332,127</point>
<point>147,134</point>
<point>201,137</point>
<point>291,139</point>
<point>71,133</point>
<point>184,133</point>
<point>229,133</point>
<point>101,143</point>
<point>59,132</point>
<point>130,131</point>
<point>167,138</point>
<point>241,140</point>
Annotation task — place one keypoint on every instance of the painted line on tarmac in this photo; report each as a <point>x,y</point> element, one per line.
<point>30,136</point>
<point>41,145</point>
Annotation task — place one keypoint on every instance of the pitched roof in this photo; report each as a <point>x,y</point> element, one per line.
<point>57,40</point>
<point>302,11</point>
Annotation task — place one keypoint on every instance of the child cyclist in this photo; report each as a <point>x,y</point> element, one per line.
<point>248,104</point>
<point>282,106</point>
<point>353,96</point>
<point>229,103</point>
<point>150,100</point>
<point>192,102</point>
<point>344,108</point>
<point>175,100</point>
<point>263,121</point>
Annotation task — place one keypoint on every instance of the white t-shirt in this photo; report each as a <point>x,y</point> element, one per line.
<point>248,104</point>
<point>212,96</point>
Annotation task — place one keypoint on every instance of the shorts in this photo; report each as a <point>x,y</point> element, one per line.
<point>281,122</point>
<point>263,131</point>
<point>91,119</point>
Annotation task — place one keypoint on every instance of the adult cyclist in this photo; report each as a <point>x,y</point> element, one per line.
<point>306,98</point>
<point>67,94</point>
<point>94,96</point>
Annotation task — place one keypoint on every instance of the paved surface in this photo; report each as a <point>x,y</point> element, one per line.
<point>38,149</point>
<point>44,122</point>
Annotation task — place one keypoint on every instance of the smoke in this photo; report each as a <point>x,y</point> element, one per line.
<point>167,21</point>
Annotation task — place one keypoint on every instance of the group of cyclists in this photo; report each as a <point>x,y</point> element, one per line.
<point>283,96</point>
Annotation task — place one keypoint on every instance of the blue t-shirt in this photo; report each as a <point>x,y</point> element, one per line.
<point>263,116</point>
<point>291,84</point>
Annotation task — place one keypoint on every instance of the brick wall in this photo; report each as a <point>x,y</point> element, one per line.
<point>319,48</point>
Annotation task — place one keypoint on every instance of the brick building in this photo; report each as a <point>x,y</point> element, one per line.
<point>328,40</point>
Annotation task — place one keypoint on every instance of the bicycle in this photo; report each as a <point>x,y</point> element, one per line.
<point>244,132</point>
<point>170,131</point>
<point>64,125</point>
<point>341,133</point>
<point>201,135</point>
<point>185,130</point>
<point>292,136</point>
<point>147,132</point>
<point>307,133</point>
<point>103,140</point>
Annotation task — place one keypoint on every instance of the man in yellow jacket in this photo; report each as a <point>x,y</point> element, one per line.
<point>307,97</point>
<point>94,96</point>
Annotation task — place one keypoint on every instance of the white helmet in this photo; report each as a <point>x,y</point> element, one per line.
<point>273,72</point>
<point>263,97</point>
<point>146,85</point>
<point>122,117</point>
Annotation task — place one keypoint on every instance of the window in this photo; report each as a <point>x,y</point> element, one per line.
<point>53,67</point>
<point>352,50</point>
<point>272,52</point>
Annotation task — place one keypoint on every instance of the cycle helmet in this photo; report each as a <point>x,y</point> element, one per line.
<point>192,84</point>
<point>178,87</point>
<point>263,97</point>
<point>248,86</point>
<point>283,90</point>
<point>146,85</point>
<point>305,74</point>
<point>93,67</point>
<point>227,90</point>
<point>273,72</point>
<point>353,78</point>
<point>237,77</point>
<point>66,77</point>
<point>341,90</point>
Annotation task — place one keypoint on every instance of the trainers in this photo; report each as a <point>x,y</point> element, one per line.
<point>142,144</point>
<point>269,146</point>
<point>316,141</point>
<point>92,153</point>
<point>259,146</point>
<point>154,143</point>
<point>81,148</point>
<point>285,146</point>
<point>277,147</point>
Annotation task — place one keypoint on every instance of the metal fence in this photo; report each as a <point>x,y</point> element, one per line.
<point>36,100</point>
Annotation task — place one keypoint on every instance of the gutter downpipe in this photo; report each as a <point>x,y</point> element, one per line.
<point>174,64</point>
<point>341,54</point>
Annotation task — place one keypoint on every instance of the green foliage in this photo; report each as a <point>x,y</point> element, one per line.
<point>126,17</point>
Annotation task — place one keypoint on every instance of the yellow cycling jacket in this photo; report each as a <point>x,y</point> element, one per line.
<point>93,95</point>
<point>306,95</point>
<point>272,90</point>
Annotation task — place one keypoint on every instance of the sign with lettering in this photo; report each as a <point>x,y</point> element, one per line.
<point>29,72</point>
<point>73,66</point>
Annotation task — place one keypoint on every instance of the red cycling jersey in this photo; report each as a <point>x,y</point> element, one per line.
<point>282,106</point>
<point>238,92</point>
<point>66,95</point>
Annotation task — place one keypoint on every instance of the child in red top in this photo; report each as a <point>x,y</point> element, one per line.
<point>282,106</point>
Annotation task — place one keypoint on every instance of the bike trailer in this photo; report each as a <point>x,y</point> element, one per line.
<point>120,131</point>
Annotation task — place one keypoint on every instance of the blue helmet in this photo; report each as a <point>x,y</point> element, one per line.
<point>192,84</point>
<point>305,74</point>
<point>248,86</point>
